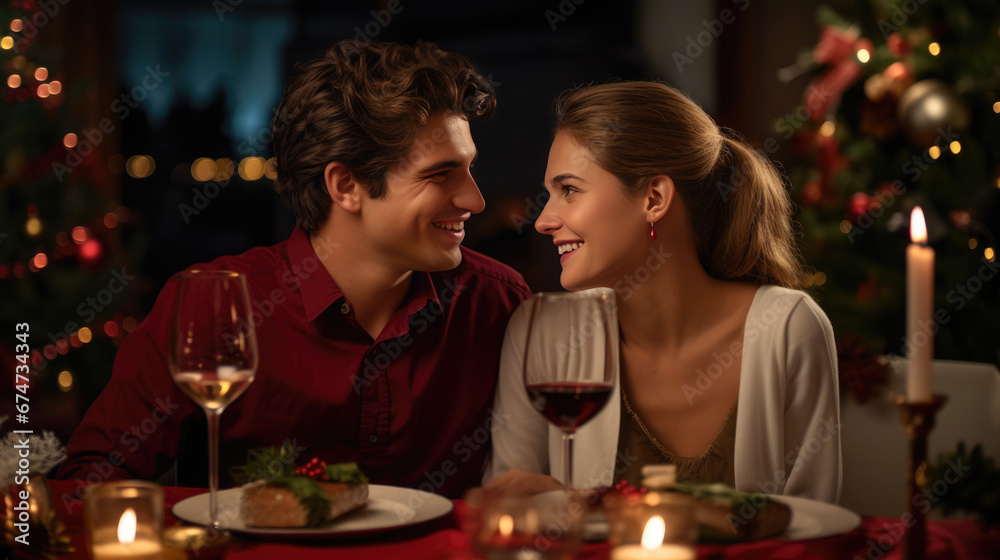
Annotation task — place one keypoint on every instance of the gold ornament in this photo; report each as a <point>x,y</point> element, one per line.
<point>48,534</point>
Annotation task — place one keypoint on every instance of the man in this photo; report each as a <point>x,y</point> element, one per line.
<point>379,334</point>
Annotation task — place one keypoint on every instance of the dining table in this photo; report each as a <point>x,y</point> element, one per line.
<point>876,538</point>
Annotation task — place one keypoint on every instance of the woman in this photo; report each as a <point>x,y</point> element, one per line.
<point>725,370</point>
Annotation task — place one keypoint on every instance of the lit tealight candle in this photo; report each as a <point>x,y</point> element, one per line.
<point>127,546</point>
<point>919,310</point>
<point>652,547</point>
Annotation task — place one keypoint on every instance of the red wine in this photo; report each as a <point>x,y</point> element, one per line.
<point>569,405</point>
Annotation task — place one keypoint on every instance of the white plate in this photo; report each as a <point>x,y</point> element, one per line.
<point>814,520</point>
<point>389,507</point>
<point>810,520</point>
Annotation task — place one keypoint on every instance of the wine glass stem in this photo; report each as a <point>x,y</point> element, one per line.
<point>567,437</point>
<point>213,465</point>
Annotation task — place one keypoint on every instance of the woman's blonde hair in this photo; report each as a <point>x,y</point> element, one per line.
<point>738,205</point>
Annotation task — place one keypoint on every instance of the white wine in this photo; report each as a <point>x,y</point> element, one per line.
<point>214,390</point>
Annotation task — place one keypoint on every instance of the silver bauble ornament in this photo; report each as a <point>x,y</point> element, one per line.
<point>930,110</point>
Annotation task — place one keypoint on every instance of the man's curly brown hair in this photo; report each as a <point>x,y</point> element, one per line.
<point>363,105</point>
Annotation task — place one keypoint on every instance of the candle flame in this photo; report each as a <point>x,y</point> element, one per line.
<point>652,535</point>
<point>918,227</point>
<point>126,527</point>
<point>506,525</point>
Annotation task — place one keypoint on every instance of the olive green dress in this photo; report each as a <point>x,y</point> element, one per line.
<point>636,441</point>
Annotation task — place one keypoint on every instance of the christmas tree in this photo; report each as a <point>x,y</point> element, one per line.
<point>904,111</point>
<point>63,271</point>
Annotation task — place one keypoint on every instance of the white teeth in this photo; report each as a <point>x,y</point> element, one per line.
<point>457,226</point>
<point>569,247</point>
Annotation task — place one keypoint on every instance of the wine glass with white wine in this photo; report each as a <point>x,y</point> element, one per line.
<point>213,356</point>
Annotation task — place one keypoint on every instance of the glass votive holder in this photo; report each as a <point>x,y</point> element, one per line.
<point>124,520</point>
<point>654,525</point>
<point>517,527</point>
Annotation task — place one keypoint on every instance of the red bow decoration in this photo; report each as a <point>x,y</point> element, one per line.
<point>838,49</point>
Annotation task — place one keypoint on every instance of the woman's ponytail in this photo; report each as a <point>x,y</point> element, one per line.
<point>752,238</point>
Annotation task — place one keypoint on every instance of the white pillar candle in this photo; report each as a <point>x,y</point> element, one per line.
<point>919,310</point>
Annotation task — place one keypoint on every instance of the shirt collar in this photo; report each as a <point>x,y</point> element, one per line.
<point>319,291</point>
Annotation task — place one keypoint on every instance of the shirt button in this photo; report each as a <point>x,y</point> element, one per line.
<point>345,308</point>
<point>373,438</point>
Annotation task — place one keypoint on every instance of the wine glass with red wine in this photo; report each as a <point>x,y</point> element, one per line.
<point>213,354</point>
<point>571,359</point>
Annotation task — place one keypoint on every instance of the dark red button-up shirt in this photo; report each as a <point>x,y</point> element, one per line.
<point>413,408</point>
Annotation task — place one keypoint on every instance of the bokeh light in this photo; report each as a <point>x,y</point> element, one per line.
<point>251,168</point>
<point>140,167</point>
<point>85,335</point>
<point>70,141</point>
<point>934,152</point>
<point>934,49</point>
<point>80,234</point>
<point>91,250</point>
<point>65,380</point>
<point>14,81</point>
<point>33,226</point>
<point>864,56</point>
<point>41,74</point>
<point>203,169</point>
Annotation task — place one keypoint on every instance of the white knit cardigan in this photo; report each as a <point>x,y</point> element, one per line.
<point>787,421</point>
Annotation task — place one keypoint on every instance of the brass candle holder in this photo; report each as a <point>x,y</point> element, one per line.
<point>918,421</point>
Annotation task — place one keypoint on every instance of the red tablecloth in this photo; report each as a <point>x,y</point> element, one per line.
<point>878,538</point>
